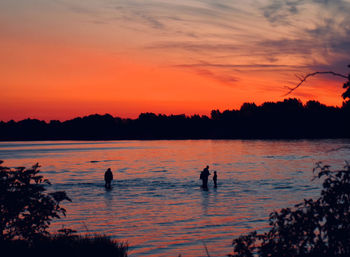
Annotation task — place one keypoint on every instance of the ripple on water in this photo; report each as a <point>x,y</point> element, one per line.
<point>156,202</point>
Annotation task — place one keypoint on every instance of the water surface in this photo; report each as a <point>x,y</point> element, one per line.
<point>156,203</point>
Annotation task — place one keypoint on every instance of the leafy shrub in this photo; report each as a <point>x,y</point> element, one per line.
<point>26,212</point>
<point>312,228</point>
<point>25,209</point>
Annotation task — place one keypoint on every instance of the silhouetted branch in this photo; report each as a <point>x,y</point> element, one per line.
<point>303,79</point>
<point>206,249</point>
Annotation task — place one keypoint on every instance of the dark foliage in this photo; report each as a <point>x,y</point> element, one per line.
<point>284,119</point>
<point>65,245</point>
<point>313,228</point>
<point>25,209</point>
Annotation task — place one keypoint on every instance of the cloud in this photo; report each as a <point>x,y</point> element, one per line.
<point>266,49</point>
<point>279,11</point>
<point>194,46</point>
<point>332,34</point>
<point>212,38</point>
<point>152,21</point>
<point>239,66</point>
<point>288,12</point>
<point>226,79</point>
<point>230,74</point>
<point>287,46</point>
<point>76,7</point>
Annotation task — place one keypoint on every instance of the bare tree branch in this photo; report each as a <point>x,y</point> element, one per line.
<point>299,77</point>
<point>303,79</point>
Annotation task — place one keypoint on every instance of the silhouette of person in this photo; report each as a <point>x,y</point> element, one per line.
<point>204,177</point>
<point>215,179</point>
<point>108,178</point>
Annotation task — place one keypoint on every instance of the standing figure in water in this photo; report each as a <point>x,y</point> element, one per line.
<point>204,177</point>
<point>215,179</point>
<point>108,178</point>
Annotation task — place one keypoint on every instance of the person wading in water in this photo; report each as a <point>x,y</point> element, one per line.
<point>108,178</point>
<point>204,177</point>
<point>215,179</point>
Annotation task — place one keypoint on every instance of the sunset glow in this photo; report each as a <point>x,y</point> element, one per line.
<point>66,58</point>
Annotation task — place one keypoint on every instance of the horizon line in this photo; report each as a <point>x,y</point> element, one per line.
<point>159,113</point>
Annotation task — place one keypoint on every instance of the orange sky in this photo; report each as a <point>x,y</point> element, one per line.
<point>61,59</point>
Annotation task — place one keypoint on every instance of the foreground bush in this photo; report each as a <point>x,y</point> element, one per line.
<point>65,246</point>
<point>313,228</point>
<point>26,210</point>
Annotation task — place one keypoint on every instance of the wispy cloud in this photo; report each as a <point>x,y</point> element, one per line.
<point>279,11</point>
<point>194,46</point>
<point>239,66</point>
<point>213,37</point>
<point>224,78</point>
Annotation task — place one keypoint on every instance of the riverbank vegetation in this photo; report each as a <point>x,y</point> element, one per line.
<point>60,245</point>
<point>26,212</point>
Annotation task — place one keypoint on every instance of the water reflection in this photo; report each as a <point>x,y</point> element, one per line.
<point>108,199</point>
<point>205,200</point>
<point>156,202</point>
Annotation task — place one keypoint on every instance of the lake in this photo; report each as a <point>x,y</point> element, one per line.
<point>156,202</point>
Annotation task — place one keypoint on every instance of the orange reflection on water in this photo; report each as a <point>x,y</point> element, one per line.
<point>156,203</point>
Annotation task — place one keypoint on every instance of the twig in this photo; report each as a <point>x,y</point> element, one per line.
<point>303,79</point>
<point>206,249</point>
<point>87,230</point>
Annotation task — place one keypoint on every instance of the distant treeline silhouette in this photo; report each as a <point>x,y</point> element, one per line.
<point>287,119</point>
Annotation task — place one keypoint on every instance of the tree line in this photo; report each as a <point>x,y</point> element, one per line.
<point>289,119</point>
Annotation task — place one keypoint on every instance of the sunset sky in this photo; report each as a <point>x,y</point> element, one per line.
<point>65,58</point>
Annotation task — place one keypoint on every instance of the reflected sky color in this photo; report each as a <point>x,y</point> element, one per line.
<point>156,202</point>
<point>64,58</point>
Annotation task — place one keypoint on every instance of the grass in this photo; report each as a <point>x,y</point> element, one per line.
<point>65,246</point>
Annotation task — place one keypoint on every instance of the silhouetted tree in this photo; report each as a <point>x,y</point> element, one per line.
<point>313,228</point>
<point>283,119</point>
<point>315,106</point>
<point>248,108</point>
<point>25,209</point>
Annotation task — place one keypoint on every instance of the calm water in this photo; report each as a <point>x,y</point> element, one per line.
<point>156,203</point>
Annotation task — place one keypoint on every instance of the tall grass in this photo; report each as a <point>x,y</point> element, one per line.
<point>65,246</point>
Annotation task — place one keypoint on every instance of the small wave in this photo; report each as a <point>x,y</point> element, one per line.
<point>282,187</point>
<point>71,184</point>
<point>286,157</point>
<point>158,171</point>
<point>298,172</point>
<point>103,161</point>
